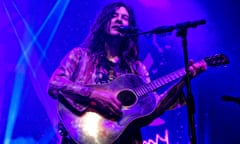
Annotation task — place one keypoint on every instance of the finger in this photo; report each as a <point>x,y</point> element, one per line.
<point>115,105</point>
<point>199,66</point>
<point>192,70</point>
<point>203,65</point>
<point>115,108</point>
<point>117,102</point>
<point>115,113</point>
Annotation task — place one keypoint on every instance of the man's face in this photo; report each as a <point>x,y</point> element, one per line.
<point>119,18</point>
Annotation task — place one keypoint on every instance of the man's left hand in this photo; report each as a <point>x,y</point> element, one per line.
<point>196,68</point>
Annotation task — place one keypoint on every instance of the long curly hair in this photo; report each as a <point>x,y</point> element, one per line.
<point>97,36</point>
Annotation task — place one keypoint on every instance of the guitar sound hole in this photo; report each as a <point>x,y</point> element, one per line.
<point>127,98</point>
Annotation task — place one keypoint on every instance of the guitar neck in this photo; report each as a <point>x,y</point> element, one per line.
<point>149,87</point>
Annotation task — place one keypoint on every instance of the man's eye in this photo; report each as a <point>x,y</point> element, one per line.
<point>114,15</point>
<point>125,17</point>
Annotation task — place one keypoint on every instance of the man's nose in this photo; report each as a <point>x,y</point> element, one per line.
<point>119,20</point>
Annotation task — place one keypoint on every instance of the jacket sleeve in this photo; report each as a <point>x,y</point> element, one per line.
<point>172,98</point>
<point>62,82</point>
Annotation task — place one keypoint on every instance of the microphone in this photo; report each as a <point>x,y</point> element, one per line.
<point>231,99</point>
<point>127,30</point>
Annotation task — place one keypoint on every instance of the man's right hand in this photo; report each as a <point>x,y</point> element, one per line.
<point>106,103</point>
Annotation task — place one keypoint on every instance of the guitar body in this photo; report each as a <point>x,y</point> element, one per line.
<point>93,128</point>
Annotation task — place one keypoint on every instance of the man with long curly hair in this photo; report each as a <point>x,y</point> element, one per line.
<point>106,58</point>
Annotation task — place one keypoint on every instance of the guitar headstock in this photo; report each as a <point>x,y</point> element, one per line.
<point>216,60</point>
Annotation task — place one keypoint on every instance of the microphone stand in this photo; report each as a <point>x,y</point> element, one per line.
<point>190,99</point>
<point>182,32</point>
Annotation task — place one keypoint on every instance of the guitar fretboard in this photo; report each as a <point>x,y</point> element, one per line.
<point>146,88</point>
